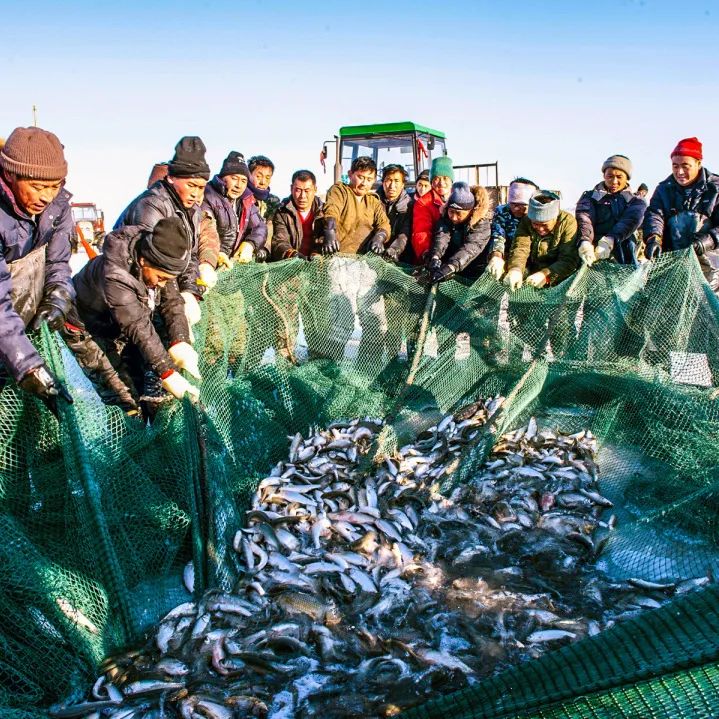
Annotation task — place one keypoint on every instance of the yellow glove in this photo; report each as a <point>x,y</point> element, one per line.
<point>178,386</point>
<point>513,278</point>
<point>247,251</point>
<point>185,357</point>
<point>495,267</point>
<point>224,261</point>
<point>208,276</point>
<point>538,279</point>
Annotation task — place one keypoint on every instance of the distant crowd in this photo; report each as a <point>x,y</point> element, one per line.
<point>128,314</point>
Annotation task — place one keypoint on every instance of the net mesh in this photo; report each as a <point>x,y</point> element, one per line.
<point>100,513</point>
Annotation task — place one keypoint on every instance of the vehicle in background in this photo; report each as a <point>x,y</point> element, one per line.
<point>89,225</point>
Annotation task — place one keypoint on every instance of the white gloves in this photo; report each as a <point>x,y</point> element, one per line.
<point>586,253</point>
<point>604,248</point>
<point>224,261</point>
<point>538,279</point>
<point>185,357</point>
<point>178,386</point>
<point>246,253</point>
<point>495,267</point>
<point>192,308</point>
<point>208,276</point>
<point>513,278</point>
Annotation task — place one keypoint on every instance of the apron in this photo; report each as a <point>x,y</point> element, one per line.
<point>682,228</point>
<point>28,283</point>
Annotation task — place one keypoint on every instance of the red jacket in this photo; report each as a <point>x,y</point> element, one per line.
<point>427,211</point>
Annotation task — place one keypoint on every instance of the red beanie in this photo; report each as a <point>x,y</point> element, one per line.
<point>688,147</point>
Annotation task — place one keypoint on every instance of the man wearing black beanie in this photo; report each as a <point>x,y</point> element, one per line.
<point>177,195</point>
<point>118,293</point>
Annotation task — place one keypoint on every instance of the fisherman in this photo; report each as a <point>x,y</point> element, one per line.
<point>428,209</point>
<point>261,171</point>
<point>422,186</point>
<point>118,293</point>
<point>231,204</point>
<point>684,211</point>
<point>179,194</point>
<point>609,216</point>
<point>506,220</point>
<point>297,226</point>
<point>543,249</point>
<point>461,243</point>
<point>354,222</point>
<point>398,206</point>
<point>35,230</point>
<point>642,191</point>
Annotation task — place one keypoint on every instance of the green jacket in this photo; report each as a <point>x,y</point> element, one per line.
<point>555,254</point>
<point>356,220</point>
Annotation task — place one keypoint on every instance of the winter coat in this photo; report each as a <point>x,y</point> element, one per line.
<point>425,217</point>
<point>159,201</point>
<point>399,214</point>
<point>288,228</point>
<point>615,215</point>
<point>465,246</point>
<point>556,253</point>
<point>237,221</point>
<point>504,228</point>
<point>356,219</point>
<point>20,234</point>
<point>113,301</point>
<point>669,200</point>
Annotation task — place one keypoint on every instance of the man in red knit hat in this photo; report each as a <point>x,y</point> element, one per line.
<point>684,211</point>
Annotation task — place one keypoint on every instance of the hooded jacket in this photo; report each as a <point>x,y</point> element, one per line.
<point>616,215</point>
<point>356,218</point>
<point>237,221</point>
<point>288,228</point>
<point>159,201</point>
<point>20,234</point>
<point>113,301</point>
<point>556,253</point>
<point>465,246</point>
<point>399,214</point>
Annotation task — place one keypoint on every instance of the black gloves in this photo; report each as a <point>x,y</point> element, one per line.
<point>442,273</point>
<point>433,264</point>
<point>702,244</point>
<point>261,255</point>
<point>331,244</point>
<point>652,249</point>
<point>393,252</point>
<point>376,242</point>
<point>53,309</point>
<point>44,385</point>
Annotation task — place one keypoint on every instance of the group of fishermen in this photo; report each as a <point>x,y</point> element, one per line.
<point>128,313</point>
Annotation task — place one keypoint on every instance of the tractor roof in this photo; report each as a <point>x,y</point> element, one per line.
<point>387,128</point>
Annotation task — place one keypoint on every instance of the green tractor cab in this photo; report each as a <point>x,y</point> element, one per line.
<point>393,143</point>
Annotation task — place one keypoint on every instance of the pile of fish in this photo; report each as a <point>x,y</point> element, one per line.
<point>366,592</point>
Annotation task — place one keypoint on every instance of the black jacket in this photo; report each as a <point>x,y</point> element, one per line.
<point>287,228</point>
<point>399,213</point>
<point>159,201</point>
<point>466,247</point>
<point>113,301</point>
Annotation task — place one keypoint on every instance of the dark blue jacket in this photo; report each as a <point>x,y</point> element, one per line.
<point>616,215</point>
<point>232,228</point>
<point>159,201</point>
<point>701,197</point>
<point>504,228</point>
<point>19,235</point>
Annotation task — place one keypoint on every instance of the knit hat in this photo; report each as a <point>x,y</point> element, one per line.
<point>520,193</point>
<point>544,206</point>
<point>461,197</point>
<point>189,159</point>
<point>424,175</point>
<point>235,164</point>
<point>442,167</point>
<point>167,247</point>
<point>641,187</point>
<point>34,154</point>
<point>688,147</point>
<point>618,162</point>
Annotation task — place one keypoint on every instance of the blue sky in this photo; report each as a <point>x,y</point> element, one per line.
<point>548,89</point>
